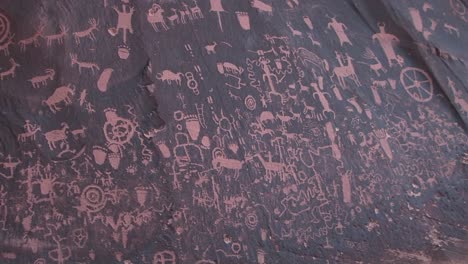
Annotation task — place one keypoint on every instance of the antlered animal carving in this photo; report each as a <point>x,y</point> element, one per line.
<point>87,32</point>
<point>11,71</point>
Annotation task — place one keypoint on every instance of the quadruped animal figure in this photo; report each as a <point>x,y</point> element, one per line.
<point>37,81</point>
<point>156,17</point>
<point>170,76</point>
<point>11,71</point>
<point>89,32</point>
<point>62,94</point>
<point>87,65</point>
<point>346,71</point>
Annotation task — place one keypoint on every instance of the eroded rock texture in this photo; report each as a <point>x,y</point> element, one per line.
<point>222,131</point>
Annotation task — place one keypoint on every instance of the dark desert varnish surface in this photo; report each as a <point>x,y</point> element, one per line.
<point>219,131</point>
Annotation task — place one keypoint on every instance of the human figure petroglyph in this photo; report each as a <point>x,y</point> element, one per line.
<point>124,21</point>
<point>31,130</point>
<point>387,42</point>
<point>339,29</point>
<point>31,135</point>
<point>9,164</point>
<point>269,76</point>
<point>318,92</point>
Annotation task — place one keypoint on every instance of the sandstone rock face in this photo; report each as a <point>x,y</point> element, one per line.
<point>218,131</point>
